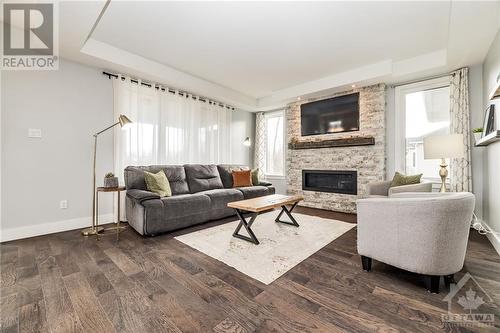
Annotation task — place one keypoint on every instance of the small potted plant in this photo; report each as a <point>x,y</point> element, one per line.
<point>110,180</point>
<point>478,133</point>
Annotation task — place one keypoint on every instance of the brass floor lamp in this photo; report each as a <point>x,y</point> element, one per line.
<point>123,121</point>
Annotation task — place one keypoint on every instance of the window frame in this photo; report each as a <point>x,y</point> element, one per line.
<point>275,114</point>
<point>400,93</point>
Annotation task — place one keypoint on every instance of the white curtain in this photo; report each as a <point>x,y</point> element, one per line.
<point>260,143</point>
<point>168,128</point>
<point>461,176</point>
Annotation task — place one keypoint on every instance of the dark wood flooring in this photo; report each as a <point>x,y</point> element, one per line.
<point>67,283</point>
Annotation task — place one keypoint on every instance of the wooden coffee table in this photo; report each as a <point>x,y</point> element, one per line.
<point>260,204</point>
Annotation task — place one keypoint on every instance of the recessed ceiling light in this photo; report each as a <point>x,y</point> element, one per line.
<point>353,86</point>
<point>298,98</point>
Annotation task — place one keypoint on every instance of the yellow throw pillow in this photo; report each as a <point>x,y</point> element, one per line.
<point>400,179</point>
<point>158,183</point>
<point>255,177</point>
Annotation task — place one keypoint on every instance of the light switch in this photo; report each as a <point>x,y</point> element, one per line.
<point>34,132</point>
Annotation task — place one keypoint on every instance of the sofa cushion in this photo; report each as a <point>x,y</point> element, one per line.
<point>176,175</point>
<point>225,172</point>
<point>134,177</point>
<point>202,177</point>
<point>177,206</point>
<point>254,191</point>
<point>221,197</point>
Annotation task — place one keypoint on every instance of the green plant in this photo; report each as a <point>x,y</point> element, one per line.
<point>477,130</point>
<point>109,175</point>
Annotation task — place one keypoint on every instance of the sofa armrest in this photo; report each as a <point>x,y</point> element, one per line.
<point>141,195</point>
<point>421,187</point>
<point>264,184</point>
<point>379,188</point>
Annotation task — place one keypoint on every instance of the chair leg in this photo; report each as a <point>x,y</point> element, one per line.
<point>432,282</point>
<point>366,262</point>
<point>449,279</point>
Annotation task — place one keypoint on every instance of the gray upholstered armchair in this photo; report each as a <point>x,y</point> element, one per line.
<point>424,233</point>
<point>384,188</point>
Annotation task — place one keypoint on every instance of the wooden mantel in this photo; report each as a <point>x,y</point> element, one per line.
<point>343,142</point>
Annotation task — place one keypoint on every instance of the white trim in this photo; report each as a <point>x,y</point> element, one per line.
<point>400,114</point>
<point>51,227</point>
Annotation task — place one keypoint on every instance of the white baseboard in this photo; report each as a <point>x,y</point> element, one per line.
<point>50,228</point>
<point>494,239</point>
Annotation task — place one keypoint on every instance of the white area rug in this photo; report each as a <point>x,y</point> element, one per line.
<point>281,246</point>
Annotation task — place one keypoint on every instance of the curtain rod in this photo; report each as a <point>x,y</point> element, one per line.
<point>421,80</point>
<point>172,91</point>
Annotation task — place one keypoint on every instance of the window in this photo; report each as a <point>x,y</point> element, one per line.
<point>275,139</point>
<point>422,109</point>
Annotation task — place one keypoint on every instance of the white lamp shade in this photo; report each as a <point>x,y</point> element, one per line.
<point>444,146</point>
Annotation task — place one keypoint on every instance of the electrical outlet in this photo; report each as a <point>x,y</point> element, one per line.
<point>63,204</point>
<point>34,132</point>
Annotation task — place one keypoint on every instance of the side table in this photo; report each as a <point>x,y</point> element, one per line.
<point>94,230</point>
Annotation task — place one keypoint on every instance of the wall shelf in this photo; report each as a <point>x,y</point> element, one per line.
<point>495,93</point>
<point>344,142</point>
<point>489,139</point>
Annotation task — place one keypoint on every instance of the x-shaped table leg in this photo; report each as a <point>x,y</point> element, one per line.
<point>247,225</point>
<point>289,213</point>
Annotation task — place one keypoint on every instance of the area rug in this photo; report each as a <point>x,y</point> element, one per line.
<point>281,246</point>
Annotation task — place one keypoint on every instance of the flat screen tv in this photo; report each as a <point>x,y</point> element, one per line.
<point>333,115</point>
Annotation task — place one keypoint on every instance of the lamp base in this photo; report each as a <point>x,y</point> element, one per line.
<point>443,173</point>
<point>92,231</point>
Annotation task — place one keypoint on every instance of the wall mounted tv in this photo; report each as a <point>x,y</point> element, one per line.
<point>333,115</point>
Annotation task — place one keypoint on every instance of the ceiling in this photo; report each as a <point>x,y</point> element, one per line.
<point>261,55</point>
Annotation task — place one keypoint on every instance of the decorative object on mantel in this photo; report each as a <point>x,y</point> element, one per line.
<point>341,142</point>
<point>478,133</point>
<point>443,146</point>
<point>110,180</point>
<point>124,122</point>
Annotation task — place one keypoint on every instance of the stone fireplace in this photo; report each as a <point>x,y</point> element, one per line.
<point>332,170</point>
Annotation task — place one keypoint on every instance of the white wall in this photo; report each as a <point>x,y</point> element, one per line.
<point>243,126</point>
<point>491,166</point>
<point>68,105</point>
<point>476,120</point>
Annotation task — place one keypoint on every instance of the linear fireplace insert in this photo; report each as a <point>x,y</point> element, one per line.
<point>334,181</point>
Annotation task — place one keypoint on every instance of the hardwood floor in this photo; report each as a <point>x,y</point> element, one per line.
<point>67,283</point>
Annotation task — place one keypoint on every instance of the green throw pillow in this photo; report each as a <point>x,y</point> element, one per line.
<point>158,183</point>
<point>400,179</point>
<point>255,177</point>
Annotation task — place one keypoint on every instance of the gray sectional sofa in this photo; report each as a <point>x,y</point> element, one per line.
<point>200,193</point>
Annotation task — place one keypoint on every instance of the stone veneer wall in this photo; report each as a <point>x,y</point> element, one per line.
<point>369,161</point>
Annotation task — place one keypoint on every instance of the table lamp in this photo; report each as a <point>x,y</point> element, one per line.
<point>124,122</point>
<point>444,146</point>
